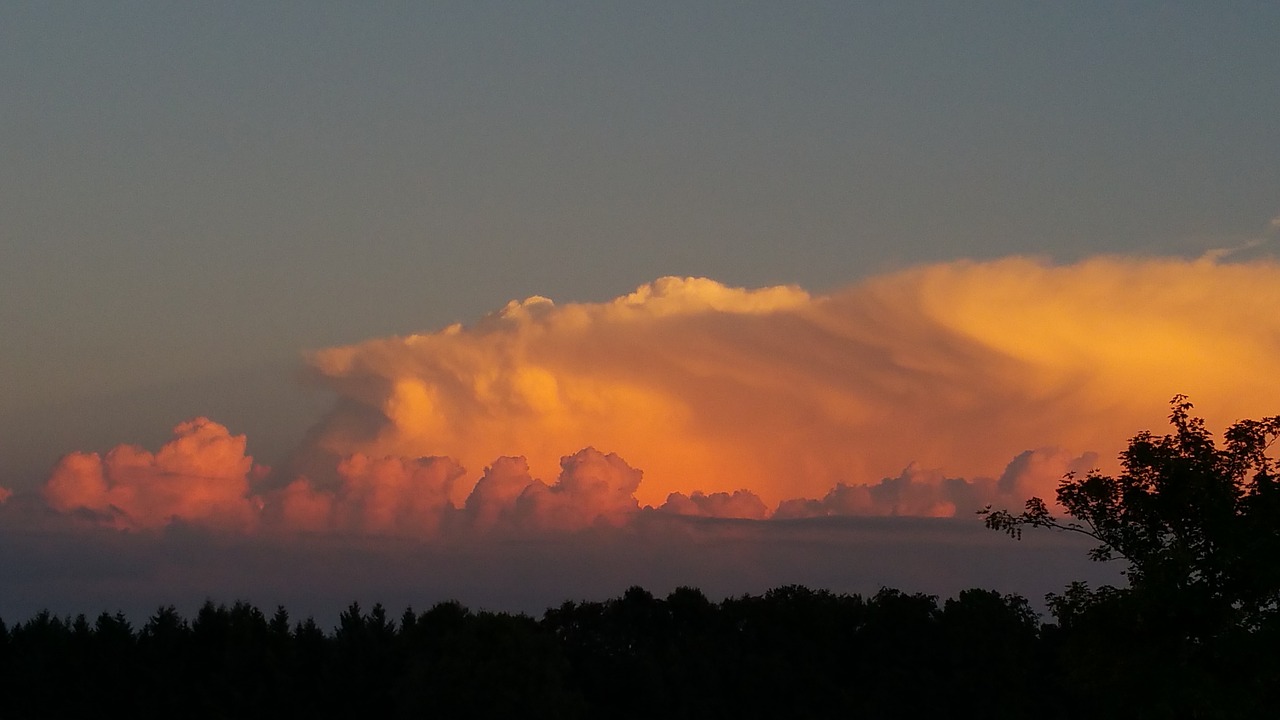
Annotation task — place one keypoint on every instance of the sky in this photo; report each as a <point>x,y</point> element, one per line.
<point>341,288</point>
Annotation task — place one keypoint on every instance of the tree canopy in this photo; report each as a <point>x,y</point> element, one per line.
<point>1190,518</point>
<point>1198,524</point>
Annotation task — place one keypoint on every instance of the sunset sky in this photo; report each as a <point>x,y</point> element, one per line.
<point>513,302</point>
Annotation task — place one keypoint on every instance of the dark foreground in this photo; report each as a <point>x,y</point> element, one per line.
<point>791,653</point>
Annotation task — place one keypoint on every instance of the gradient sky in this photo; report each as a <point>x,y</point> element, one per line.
<point>193,194</point>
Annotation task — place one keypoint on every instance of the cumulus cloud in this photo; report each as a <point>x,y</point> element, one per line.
<point>742,504</point>
<point>203,477</point>
<point>957,366</point>
<point>912,493</point>
<point>492,501</point>
<point>411,497</point>
<point>917,492</point>
<point>387,495</point>
<point>732,401</point>
<point>593,488</point>
<point>202,474</point>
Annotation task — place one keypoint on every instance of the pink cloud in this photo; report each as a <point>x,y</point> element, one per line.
<point>387,496</point>
<point>593,488</point>
<point>202,474</point>
<point>493,500</point>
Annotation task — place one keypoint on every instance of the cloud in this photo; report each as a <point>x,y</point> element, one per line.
<point>411,498</point>
<point>742,504</point>
<point>201,478</point>
<point>492,501</point>
<point>957,366</point>
<point>914,492</point>
<point>384,496</point>
<point>732,401</point>
<point>1242,250</point>
<point>201,474</point>
<point>917,492</point>
<point>593,488</point>
<point>1036,472</point>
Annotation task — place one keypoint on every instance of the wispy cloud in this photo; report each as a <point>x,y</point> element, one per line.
<point>1244,249</point>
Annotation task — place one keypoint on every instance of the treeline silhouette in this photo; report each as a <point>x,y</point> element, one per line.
<point>792,652</point>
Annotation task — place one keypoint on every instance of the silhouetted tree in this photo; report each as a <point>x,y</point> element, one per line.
<point>41,657</point>
<point>991,643</point>
<point>4,648</point>
<point>279,625</point>
<point>164,651</point>
<point>1194,632</point>
<point>313,676</point>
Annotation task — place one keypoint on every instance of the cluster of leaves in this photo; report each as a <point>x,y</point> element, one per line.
<point>792,652</point>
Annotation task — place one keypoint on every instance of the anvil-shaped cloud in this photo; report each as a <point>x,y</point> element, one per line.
<point>985,380</point>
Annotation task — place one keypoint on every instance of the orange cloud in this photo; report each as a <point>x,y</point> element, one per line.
<point>958,366</point>
<point>732,401</point>
<point>201,474</point>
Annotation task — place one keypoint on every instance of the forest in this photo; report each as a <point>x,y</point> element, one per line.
<point>1194,633</point>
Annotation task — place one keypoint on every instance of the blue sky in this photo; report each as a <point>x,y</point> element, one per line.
<point>192,194</point>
